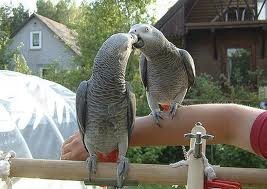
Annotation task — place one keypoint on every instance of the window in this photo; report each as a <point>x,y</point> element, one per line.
<point>45,71</point>
<point>238,65</point>
<point>35,40</point>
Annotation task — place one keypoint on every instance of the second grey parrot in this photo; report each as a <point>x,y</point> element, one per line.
<point>106,106</point>
<point>167,72</point>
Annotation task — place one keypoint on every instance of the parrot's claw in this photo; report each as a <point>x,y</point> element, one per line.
<point>157,117</point>
<point>91,165</point>
<point>122,170</point>
<point>173,109</point>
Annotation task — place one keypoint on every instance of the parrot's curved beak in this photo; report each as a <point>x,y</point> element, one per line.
<point>139,42</point>
<point>134,37</point>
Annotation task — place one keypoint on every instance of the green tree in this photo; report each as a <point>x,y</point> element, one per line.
<point>19,16</point>
<point>68,78</point>
<point>46,8</point>
<point>4,41</point>
<point>20,64</point>
<point>102,18</point>
<point>65,11</point>
<point>5,30</point>
<point>5,22</point>
<point>10,20</point>
<point>97,21</point>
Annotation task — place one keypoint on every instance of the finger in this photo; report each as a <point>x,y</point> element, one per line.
<point>70,139</point>
<point>66,148</point>
<point>66,156</point>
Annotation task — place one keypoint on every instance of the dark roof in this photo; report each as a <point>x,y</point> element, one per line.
<point>159,24</point>
<point>174,22</point>
<point>68,36</point>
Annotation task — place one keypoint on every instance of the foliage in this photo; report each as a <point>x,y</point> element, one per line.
<point>103,18</point>
<point>206,88</point>
<point>4,57</point>
<point>68,78</point>
<point>10,20</point>
<point>20,64</point>
<point>95,22</point>
<point>234,157</point>
<point>133,76</point>
<point>93,31</point>
<point>145,154</point>
<point>239,59</point>
<point>4,35</point>
<point>19,16</point>
<point>65,11</point>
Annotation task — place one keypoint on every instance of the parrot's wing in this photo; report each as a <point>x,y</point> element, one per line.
<point>189,65</point>
<point>131,111</point>
<point>81,105</point>
<point>143,70</point>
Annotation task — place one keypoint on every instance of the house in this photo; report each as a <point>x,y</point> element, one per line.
<point>212,29</point>
<point>43,41</point>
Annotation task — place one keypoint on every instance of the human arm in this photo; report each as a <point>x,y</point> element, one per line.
<point>229,123</point>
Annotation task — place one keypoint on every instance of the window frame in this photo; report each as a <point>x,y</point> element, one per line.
<point>31,40</point>
<point>41,71</point>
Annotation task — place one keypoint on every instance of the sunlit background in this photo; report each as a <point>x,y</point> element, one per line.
<point>161,6</point>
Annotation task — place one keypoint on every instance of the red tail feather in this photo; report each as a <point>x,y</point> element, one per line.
<point>111,157</point>
<point>164,107</point>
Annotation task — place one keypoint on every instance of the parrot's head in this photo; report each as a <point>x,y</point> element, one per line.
<point>118,47</point>
<point>149,38</point>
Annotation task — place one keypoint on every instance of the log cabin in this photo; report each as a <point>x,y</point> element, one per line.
<point>211,29</point>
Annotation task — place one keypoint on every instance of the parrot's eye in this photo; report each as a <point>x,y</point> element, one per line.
<point>147,29</point>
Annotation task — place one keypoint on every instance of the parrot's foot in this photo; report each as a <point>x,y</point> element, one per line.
<point>209,171</point>
<point>157,117</point>
<point>122,170</point>
<point>173,109</point>
<point>91,165</point>
<point>181,163</point>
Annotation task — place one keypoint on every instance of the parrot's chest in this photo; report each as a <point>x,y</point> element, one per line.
<point>105,139</point>
<point>166,81</point>
<point>106,125</point>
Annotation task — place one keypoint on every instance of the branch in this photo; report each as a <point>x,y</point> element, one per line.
<point>138,173</point>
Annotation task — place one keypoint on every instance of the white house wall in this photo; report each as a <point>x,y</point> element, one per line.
<point>53,49</point>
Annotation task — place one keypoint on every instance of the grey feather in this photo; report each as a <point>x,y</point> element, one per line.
<point>190,68</point>
<point>81,106</point>
<point>167,72</point>
<point>143,70</point>
<point>131,111</point>
<point>106,105</point>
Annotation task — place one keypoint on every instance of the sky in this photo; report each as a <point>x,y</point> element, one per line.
<point>161,8</point>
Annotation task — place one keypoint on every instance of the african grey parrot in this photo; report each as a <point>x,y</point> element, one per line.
<point>106,106</point>
<point>167,72</point>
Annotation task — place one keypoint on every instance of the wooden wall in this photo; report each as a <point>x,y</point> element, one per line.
<point>203,11</point>
<point>174,25</point>
<point>201,45</point>
<point>206,10</point>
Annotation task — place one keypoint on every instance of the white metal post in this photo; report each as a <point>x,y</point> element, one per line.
<point>195,177</point>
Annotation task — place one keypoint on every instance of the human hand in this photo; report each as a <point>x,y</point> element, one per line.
<point>73,149</point>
